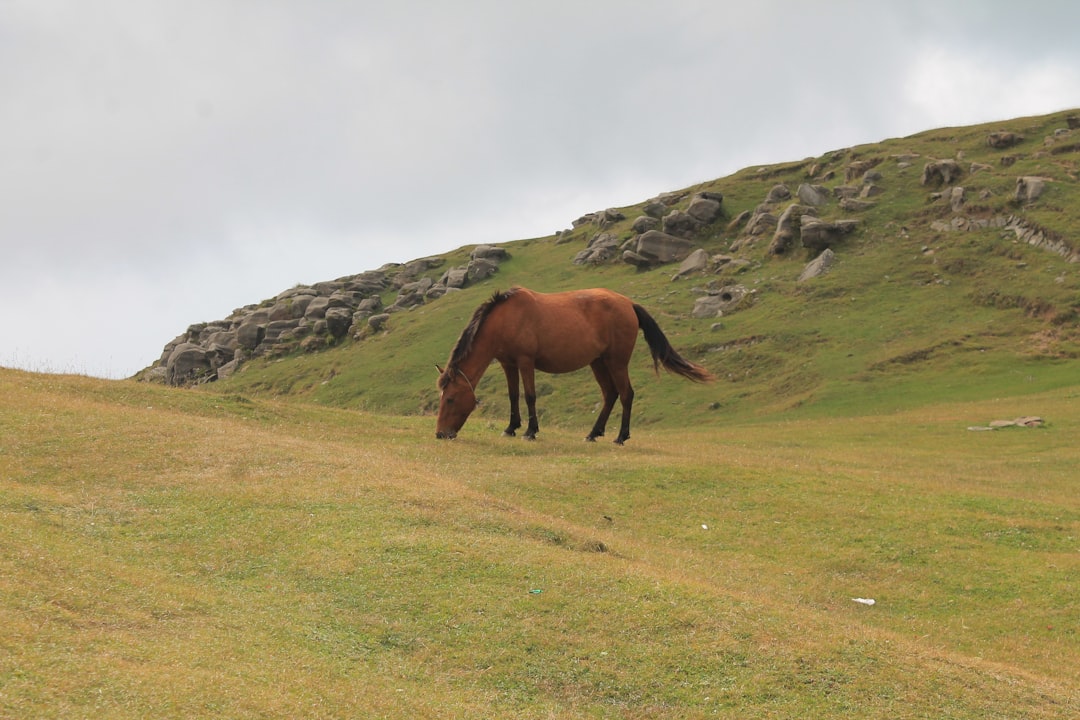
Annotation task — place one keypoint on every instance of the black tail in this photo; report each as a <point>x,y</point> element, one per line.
<point>664,354</point>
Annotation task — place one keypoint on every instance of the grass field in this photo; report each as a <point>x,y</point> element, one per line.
<point>177,553</point>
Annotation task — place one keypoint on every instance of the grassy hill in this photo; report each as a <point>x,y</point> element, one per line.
<point>910,314</point>
<point>293,541</point>
<point>167,553</point>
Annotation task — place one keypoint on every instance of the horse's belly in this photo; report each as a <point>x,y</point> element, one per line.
<point>566,362</point>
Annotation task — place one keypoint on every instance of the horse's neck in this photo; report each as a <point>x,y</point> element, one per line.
<point>475,365</point>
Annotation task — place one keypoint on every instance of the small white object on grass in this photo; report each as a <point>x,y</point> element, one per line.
<point>865,601</point>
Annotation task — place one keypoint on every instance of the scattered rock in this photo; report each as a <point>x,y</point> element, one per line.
<point>787,228</point>
<point>694,262</point>
<point>1003,140</point>
<point>778,194</point>
<point>378,322</point>
<point>941,172</point>
<point>818,266</point>
<point>817,235</point>
<point>1027,421</point>
<point>813,195</point>
<point>720,300</point>
<point>1029,188</point>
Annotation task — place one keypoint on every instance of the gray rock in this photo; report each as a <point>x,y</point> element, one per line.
<point>644,224</point>
<point>455,277</point>
<point>1029,188</point>
<point>704,209</point>
<point>481,269</point>
<point>719,301</point>
<point>338,321</point>
<point>778,194</point>
<point>816,235</point>
<point>818,266</point>
<point>941,172</point>
<point>813,195</point>
<point>250,334</point>
<point>187,363</point>
<point>694,262</point>
<point>316,309</point>
<point>490,252</point>
<point>681,224</point>
<point>661,248</point>
<point>787,228</point>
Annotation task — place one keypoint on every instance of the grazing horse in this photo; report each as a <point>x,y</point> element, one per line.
<point>555,333</point>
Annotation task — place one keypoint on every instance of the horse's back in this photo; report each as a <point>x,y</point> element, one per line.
<point>568,330</point>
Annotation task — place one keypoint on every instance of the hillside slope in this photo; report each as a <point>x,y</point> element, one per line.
<point>949,286</point>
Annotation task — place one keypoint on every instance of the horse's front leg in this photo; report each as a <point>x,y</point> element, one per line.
<point>528,379</point>
<point>511,373</point>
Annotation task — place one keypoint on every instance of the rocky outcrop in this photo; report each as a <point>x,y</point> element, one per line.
<point>664,234</point>
<point>1020,228</point>
<point>309,317</point>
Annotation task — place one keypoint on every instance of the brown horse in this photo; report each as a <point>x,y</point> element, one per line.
<point>555,333</point>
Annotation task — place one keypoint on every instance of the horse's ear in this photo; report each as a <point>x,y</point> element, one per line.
<point>441,371</point>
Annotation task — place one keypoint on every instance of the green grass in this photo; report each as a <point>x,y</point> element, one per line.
<point>166,553</point>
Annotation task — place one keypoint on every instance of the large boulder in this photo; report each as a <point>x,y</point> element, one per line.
<point>1003,140</point>
<point>1029,188</point>
<point>941,172</point>
<point>813,195</point>
<point>681,224</point>
<point>481,269</point>
<point>694,262</point>
<point>787,228</point>
<point>187,363</point>
<point>705,207</point>
<point>658,248</point>
<point>778,194</point>
<point>455,277</point>
<point>490,252</point>
<point>338,321</point>
<point>817,235</point>
<point>818,266</point>
<point>316,309</point>
<point>645,223</point>
<point>250,334</point>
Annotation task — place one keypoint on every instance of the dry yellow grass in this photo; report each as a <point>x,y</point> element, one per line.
<point>176,554</point>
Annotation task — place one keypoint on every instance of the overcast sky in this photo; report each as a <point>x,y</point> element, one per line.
<point>164,162</point>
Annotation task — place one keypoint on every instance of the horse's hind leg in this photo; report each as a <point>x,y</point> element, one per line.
<point>621,377</point>
<point>511,372</point>
<point>607,387</point>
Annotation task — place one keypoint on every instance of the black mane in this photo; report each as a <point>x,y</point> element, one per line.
<point>464,343</point>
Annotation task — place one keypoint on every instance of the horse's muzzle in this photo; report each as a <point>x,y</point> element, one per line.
<point>448,435</point>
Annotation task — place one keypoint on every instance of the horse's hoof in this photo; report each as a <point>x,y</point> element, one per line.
<point>509,433</point>
<point>590,438</point>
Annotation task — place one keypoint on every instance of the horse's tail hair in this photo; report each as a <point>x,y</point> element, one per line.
<point>664,354</point>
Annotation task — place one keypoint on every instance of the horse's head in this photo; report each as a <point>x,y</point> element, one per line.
<point>457,399</point>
